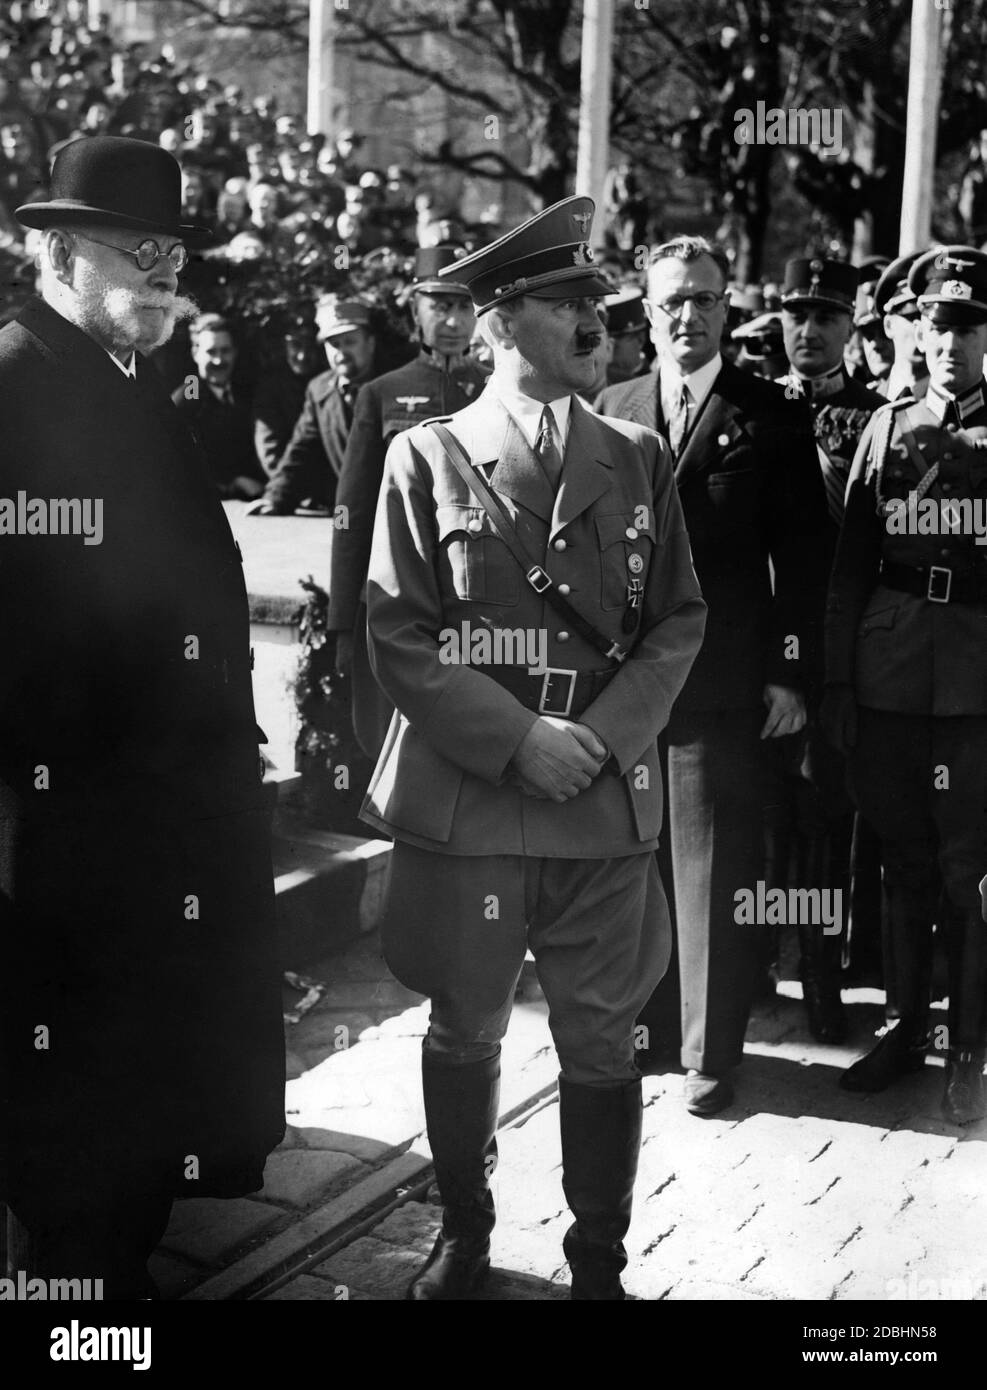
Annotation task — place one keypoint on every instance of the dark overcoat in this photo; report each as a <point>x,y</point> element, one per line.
<point>141,1014</point>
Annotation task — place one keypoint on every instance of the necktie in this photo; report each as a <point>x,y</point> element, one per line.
<point>678,422</point>
<point>548,450</point>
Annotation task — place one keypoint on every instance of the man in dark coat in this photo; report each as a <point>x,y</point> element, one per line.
<point>440,380</point>
<point>216,407</point>
<point>141,1036</point>
<point>310,469</point>
<point>753,503</point>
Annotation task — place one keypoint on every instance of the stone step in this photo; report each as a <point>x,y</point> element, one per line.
<point>328,888</point>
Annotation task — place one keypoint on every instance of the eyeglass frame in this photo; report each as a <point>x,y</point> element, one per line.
<point>148,241</point>
<point>690,298</point>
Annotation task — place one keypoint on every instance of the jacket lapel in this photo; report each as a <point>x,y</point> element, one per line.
<point>490,436</point>
<point>587,473</point>
<point>717,417</point>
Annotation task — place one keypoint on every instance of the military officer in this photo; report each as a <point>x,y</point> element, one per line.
<point>906,672</point>
<point>533,613</point>
<point>876,347</point>
<point>441,379</point>
<point>896,303</point>
<point>809,811</point>
<point>627,332</point>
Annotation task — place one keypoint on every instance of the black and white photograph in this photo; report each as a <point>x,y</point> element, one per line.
<point>493,670</point>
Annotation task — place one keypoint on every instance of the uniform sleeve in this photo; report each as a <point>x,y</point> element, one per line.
<point>459,711</point>
<point>856,567</point>
<point>634,708</point>
<point>357,492</point>
<point>799,542</point>
<point>303,460</point>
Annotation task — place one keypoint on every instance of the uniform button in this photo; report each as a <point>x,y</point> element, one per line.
<point>944,552</point>
<point>561,637</point>
<point>564,589</point>
<point>723,440</point>
<point>949,457</point>
<point>946,487</point>
<point>896,472</point>
<point>475,525</point>
<point>559,544</point>
<point>952,426</point>
<point>631,533</point>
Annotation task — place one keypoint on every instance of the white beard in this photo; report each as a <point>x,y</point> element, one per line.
<point>111,313</point>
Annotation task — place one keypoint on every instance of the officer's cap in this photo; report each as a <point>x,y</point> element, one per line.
<point>762,336</point>
<point>625,311</point>
<point>869,272</point>
<point>549,256</point>
<point>951,285</point>
<point>813,280</point>
<point>429,262</point>
<point>892,295</point>
<point>334,316</point>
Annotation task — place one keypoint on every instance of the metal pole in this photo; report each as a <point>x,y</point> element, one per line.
<point>924,77</point>
<point>594,106</point>
<point>320,59</point>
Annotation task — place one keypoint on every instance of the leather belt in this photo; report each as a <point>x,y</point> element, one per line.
<point>555,691</point>
<point>937,583</point>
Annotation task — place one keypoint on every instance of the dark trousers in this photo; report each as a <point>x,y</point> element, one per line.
<point>713,843</point>
<point>456,928</point>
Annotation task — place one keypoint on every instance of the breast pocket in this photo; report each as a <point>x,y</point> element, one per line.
<point>478,565</point>
<point>625,554</point>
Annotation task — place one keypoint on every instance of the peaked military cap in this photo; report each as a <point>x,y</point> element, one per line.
<point>761,337</point>
<point>814,280</point>
<point>892,295</point>
<point>334,316</point>
<point>950,284</point>
<point>548,256</point>
<point>869,272</point>
<point>429,262</point>
<point>625,311</point>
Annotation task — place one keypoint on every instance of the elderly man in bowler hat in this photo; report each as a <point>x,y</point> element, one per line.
<point>141,1032</point>
<point>522,788</point>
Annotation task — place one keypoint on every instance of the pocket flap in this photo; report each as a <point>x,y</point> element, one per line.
<point>453,517</point>
<point>881,618</point>
<point>614,528</point>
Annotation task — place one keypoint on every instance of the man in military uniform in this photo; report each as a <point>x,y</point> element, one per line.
<point>442,378</point>
<point>896,303</point>
<point>627,332</point>
<point>876,348</point>
<point>809,811</point>
<point>906,673</point>
<point>754,508</point>
<point>307,474</point>
<point>524,792</point>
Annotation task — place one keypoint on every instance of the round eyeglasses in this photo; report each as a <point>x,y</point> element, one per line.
<point>704,300</point>
<point>148,253</point>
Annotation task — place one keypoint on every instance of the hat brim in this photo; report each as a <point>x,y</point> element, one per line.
<point>790,301</point>
<point>434,287</point>
<point>339,329</point>
<point>963,313</point>
<point>567,284</point>
<point>67,210</point>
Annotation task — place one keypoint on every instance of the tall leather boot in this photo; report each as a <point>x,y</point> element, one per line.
<point>964,1100</point>
<point>826,867</point>
<point>601,1139</point>
<point>461,1116</point>
<point>911,912</point>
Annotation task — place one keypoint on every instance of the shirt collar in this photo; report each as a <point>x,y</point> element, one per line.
<point>817,388</point>
<point>129,368</point>
<point>699,382</point>
<point>527,411</point>
<point>939,401</point>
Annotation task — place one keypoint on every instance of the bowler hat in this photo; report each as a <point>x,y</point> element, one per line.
<point>116,182</point>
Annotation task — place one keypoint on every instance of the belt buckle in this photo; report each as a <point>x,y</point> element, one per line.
<point>547,697</point>
<point>935,582</point>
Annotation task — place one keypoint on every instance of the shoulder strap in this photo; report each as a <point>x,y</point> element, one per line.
<point>536,576</point>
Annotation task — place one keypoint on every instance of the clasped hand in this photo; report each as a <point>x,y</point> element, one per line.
<point>557,759</point>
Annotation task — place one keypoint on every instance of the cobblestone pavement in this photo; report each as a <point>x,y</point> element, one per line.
<point>798,1190</point>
